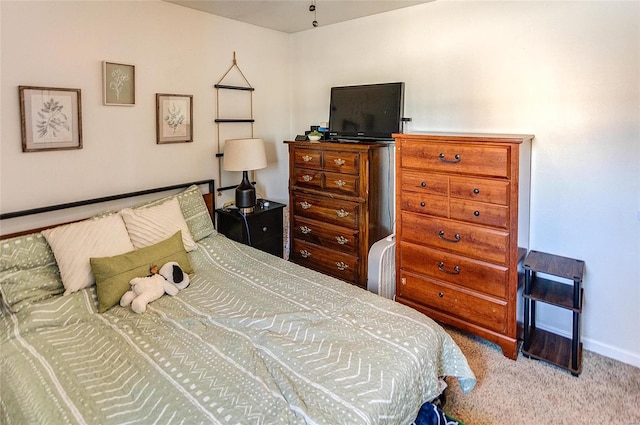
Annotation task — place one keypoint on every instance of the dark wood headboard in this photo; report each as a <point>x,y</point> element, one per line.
<point>209,199</point>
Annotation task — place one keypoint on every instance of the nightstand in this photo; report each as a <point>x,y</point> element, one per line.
<point>544,345</point>
<point>261,229</point>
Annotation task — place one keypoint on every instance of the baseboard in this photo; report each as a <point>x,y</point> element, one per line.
<point>606,350</point>
<point>612,352</point>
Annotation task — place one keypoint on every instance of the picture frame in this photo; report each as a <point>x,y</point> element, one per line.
<point>174,118</point>
<point>118,84</point>
<point>50,118</point>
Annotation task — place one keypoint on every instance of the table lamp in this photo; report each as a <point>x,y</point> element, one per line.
<point>244,155</point>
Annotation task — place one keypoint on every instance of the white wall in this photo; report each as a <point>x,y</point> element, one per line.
<point>567,72</point>
<point>175,50</point>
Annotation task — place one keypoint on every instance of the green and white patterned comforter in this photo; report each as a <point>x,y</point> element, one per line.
<point>253,340</point>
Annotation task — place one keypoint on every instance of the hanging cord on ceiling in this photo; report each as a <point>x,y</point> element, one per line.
<point>312,8</point>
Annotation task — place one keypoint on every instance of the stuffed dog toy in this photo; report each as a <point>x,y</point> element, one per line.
<point>169,279</point>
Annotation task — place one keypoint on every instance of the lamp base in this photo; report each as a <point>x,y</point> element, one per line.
<point>245,195</point>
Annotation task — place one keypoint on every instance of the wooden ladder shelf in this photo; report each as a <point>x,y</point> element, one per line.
<point>219,121</point>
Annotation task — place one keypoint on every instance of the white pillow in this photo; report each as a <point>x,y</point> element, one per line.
<point>73,244</point>
<point>148,226</point>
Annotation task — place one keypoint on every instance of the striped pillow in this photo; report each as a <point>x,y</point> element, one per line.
<point>73,244</point>
<point>194,211</point>
<point>147,226</point>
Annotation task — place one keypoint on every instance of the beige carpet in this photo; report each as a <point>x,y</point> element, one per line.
<point>529,391</point>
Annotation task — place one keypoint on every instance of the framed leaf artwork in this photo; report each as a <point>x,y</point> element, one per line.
<point>50,118</point>
<point>119,84</point>
<point>174,118</point>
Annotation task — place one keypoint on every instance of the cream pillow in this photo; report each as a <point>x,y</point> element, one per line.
<point>147,226</point>
<point>73,244</point>
<point>194,210</point>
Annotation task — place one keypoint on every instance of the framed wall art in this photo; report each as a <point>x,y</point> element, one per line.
<point>119,84</point>
<point>50,118</point>
<point>174,118</point>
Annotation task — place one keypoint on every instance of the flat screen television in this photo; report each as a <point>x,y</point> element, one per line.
<point>366,112</point>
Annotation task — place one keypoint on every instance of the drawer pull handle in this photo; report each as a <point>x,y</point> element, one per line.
<point>341,266</point>
<point>423,184</point>
<point>304,229</point>
<point>307,178</point>
<point>476,213</point>
<point>455,240</point>
<point>442,158</point>
<point>339,162</point>
<point>440,294</point>
<point>342,240</point>
<point>456,269</point>
<point>422,204</point>
<point>306,158</point>
<point>305,205</point>
<point>476,191</point>
<point>304,253</point>
<point>340,183</point>
<point>342,213</point>
<point>264,229</point>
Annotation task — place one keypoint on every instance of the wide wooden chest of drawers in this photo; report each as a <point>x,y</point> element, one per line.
<point>341,203</point>
<point>462,211</point>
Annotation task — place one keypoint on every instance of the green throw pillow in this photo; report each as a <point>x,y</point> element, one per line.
<point>113,274</point>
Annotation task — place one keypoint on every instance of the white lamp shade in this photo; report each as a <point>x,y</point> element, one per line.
<point>244,155</point>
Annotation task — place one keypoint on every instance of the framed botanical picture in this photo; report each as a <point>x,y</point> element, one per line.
<point>50,118</point>
<point>118,84</point>
<point>174,118</point>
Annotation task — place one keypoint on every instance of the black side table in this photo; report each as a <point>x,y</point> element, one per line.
<point>261,229</point>
<point>538,343</point>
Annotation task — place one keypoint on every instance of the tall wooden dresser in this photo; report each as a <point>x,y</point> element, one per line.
<point>462,203</point>
<point>340,200</point>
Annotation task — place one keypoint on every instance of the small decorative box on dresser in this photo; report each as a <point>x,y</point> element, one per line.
<point>262,229</point>
<point>462,203</point>
<point>340,197</point>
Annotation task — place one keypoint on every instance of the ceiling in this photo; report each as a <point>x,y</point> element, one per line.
<point>293,15</point>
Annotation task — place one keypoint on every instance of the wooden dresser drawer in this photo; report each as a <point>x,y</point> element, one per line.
<point>428,183</point>
<point>342,183</point>
<point>441,206</point>
<point>338,264</point>
<point>308,158</point>
<point>425,204</point>
<point>473,241</point>
<point>334,237</point>
<point>456,158</point>
<point>474,308</point>
<point>462,271</point>
<point>480,213</point>
<point>342,162</point>
<point>345,184</point>
<point>482,190</point>
<point>306,177</point>
<point>333,211</point>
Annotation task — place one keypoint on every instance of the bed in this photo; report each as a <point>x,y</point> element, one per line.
<point>252,339</point>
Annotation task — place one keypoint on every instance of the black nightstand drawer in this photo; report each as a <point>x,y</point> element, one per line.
<point>264,225</point>
<point>273,246</point>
